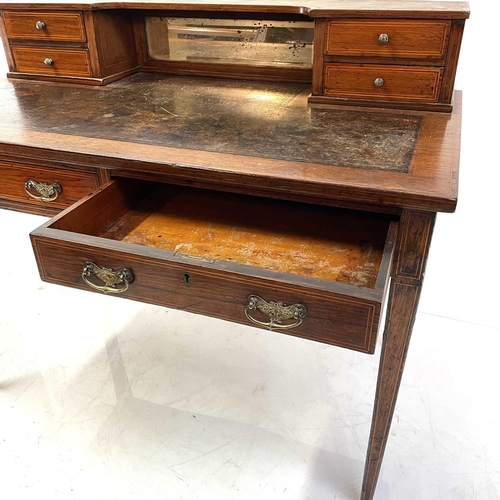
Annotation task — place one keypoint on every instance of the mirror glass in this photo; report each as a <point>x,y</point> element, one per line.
<point>231,41</point>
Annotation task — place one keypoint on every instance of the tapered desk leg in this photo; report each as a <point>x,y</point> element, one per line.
<point>407,274</point>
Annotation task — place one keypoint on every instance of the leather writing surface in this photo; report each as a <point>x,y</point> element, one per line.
<point>224,116</point>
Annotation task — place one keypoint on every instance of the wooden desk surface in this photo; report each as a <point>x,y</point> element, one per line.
<point>226,133</point>
<point>313,8</point>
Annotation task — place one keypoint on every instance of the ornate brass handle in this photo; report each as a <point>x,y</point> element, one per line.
<point>40,25</point>
<point>47,192</point>
<point>277,313</point>
<point>109,277</point>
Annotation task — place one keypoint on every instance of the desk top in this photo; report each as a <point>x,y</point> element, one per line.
<point>233,133</point>
<point>312,8</point>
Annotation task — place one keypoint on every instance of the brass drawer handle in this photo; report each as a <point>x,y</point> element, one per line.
<point>383,38</point>
<point>379,82</point>
<point>47,192</point>
<point>48,61</point>
<point>277,312</point>
<point>109,277</point>
<point>40,25</point>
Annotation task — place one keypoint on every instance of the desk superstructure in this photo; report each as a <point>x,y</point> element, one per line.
<point>278,165</point>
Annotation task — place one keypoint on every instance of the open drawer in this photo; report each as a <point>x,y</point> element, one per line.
<point>311,271</point>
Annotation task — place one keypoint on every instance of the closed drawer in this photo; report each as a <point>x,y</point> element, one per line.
<point>50,26</point>
<point>373,81</point>
<point>44,186</point>
<point>52,61</point>
<point>314,272</point>
<point>388,38</point>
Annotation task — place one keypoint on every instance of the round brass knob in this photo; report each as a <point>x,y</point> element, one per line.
<point>379,82</point>
<point>40,25</point>
<point>383,39</point>
<point>48,61</point>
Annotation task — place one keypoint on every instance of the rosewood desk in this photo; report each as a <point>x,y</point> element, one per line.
<point>259,200</point>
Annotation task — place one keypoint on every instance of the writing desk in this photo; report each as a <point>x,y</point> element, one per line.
<point>242,200</point>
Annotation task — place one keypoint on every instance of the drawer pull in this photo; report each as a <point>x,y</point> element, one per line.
<point>47,192</point>
<point>383,38</point>
<point>379,82</point>
<point>40,25</point>
<point>48,61</point>
<point>109,277</point>
<point>277,312</point>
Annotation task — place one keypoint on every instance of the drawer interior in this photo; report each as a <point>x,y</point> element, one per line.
<point>314,242</point>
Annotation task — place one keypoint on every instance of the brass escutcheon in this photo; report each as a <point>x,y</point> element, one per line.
<point>47,192</point>
<point>277,313</point>
<point>108,276</point>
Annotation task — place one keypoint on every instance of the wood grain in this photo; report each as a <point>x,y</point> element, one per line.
<point>66,62</point>
<point>430,183</point>
<point>412,9</point>
<point>90,28</point>
<point>74,184</point>
<point>343,314</point>
<point>59,26</point>
<point>324,101</point>
<point>6,44</point>
<point>312,241</point>
<point>320,27</point>
<point>115,43</point>
<point>233,71</point>
<point>457,30</point>
<point>413,39</point>
<point>404,83</point>
<point>416,232</point>
<point>343,321</point>
<point>336,263</point>
<point>411,255</point>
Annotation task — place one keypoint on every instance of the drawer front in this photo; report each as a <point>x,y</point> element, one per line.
<point>51,26</point>
<point>372,81</point>
<point>388,38</point>
<point>59,188</point>
<point>330,318</point>
<point>51,61</point>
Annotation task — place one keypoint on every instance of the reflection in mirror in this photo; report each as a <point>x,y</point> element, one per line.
<point>231,41</point>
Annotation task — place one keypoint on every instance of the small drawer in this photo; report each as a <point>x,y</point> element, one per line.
<point>315,272</point>
<point>52,61</point>
<point>47,188</point>
<point>373,81</point>
<point>388,38</point>
<point>50,26</point>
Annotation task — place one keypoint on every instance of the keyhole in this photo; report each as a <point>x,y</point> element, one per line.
<point>187,279</point>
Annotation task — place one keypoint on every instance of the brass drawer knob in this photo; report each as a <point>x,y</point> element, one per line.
<point>277,313</point>
<point>114,281</point>
<point>48,61</point>
<point>379,82</point>
<point>383,38</point>
<point>40,25</point>
<point>46,192</point>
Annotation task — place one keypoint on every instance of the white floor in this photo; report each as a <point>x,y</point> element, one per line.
<point>106,398</point>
